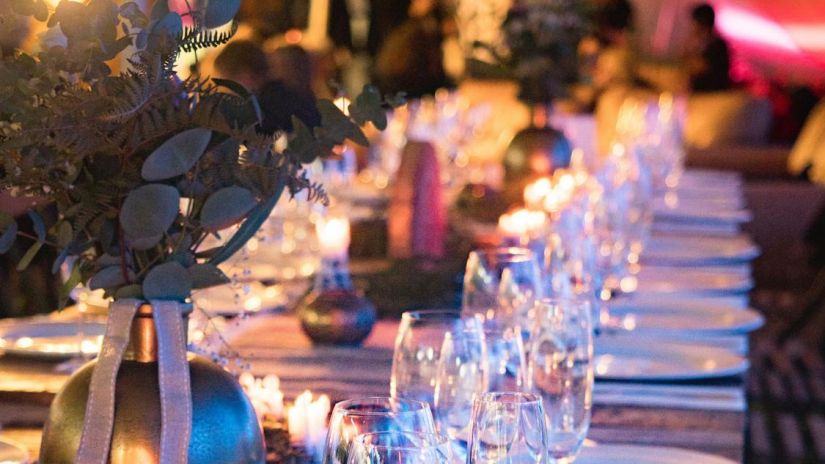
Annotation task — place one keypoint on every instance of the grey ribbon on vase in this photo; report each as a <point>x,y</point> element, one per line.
<point>173,371</point>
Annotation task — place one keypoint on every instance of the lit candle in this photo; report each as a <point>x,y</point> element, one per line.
<point>264,394</point>
<point>521,225</point>
<point>334,237</point>
<point>307,421</point>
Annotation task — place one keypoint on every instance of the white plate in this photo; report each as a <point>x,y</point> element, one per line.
<point>635,454</point>
<point>664,300</point>
<point>52,339</point>
<point>699,250</point>
<point>656,279</point>
<point>693,229</point>
<point>700,320</point>
<point>233,299</point>
<point>629,360</point>
<point>12,453</point>
<point>703,214</point>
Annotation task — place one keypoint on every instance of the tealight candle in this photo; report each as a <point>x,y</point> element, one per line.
<point>519,226</point>
<point>334,237</point>
<point>307,420</point>
<point>264,394</point>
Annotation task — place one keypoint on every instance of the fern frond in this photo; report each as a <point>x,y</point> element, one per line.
<point>192,39</point>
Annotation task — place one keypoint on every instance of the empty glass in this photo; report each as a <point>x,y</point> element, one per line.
<point>560,370</point>
<point>377,414</point>
<point>399,448</point>
<point>501,285</point>
<point>508,428</point>
<point>418,349</point>
<point>461,375</point>
<point>506,359</point>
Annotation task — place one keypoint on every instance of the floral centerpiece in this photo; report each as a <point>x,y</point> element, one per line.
<point>141,167</point>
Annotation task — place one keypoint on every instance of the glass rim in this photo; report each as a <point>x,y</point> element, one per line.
<point>523,254</point>
<point>432,314</point>
<point>344,405</point>
<point>515,397</point>
<point>558,300</point>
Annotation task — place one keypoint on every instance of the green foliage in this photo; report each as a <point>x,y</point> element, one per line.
<point>543,37</point>
<point>115,154</point>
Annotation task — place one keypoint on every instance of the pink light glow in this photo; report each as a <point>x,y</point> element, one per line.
<point>746,26</point>
<point>808,36</point>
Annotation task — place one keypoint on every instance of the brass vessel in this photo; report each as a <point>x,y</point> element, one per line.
<point>224,426</point>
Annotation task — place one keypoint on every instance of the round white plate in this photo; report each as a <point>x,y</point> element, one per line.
<point>12,453</point>
<point>635,454</point>
<point>629,360</point>
<point>698,213</point>
<point>698,250</point>
<point>701,320</point>
<point>671,280</point>
<point>234,299</point>
<point>52,339</point>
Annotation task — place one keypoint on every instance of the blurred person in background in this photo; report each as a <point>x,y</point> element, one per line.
<point>609,55</point>
<point>245,62</point>
<point>707,56</point>
<point>411,59</point>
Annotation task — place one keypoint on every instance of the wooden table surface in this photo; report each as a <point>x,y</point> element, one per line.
<point>275,344</point>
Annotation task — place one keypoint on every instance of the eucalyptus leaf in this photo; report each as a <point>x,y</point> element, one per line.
<point>336,126</point>
<point>64,233</point>
<point>302,144</point>
<point>9,234</point>
<point>149,211</point>
<point>132,12</point>
<point>110,277</point>
<point>206,275</point>
<point>249,227</point>
<point>75,277</point>
<point>61,258</point>
<point>38,225</point>
<point>27,258</point>
<point>217,12</point>
<point>226,207</point>
<point>168,281</point>
<point>367,107</point>
<point>177,155</point>
<point>129,291</point>
<point>159,9</point>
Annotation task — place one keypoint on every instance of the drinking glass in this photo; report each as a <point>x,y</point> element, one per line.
<point>400,448</point>
<point>461,375</point>
<point>560,370</point>
<point>507,360</point>
<point>501,285</point>
<point>418,349</point>
<point>376,414</point>
<point>508,428</point>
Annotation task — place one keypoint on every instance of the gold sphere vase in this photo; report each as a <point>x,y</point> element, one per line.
<point>225,428</point>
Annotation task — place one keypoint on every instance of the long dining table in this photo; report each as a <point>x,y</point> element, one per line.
<point>707,415</point>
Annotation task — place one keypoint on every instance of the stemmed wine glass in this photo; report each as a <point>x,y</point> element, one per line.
<point>501,285</point>
<point>462,373</point>
<point>400,448</point>
<point>508,427</point>
<point>418,350</point>
<point>368,415</point>
<point>561,371</point>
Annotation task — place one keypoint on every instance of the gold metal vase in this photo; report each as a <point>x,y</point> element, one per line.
<point>224,426</point>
